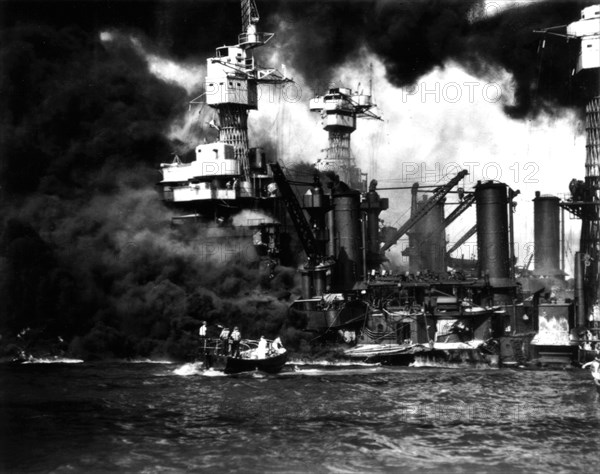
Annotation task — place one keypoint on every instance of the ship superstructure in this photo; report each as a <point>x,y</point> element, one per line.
<point>227,175</point>
<point>339,109</point>
<point>585,202</point>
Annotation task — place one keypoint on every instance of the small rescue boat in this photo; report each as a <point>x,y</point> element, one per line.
<point>251,358</point>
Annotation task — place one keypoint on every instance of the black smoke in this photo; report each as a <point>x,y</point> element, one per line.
<point>89,263</point>
<point>413,37</point>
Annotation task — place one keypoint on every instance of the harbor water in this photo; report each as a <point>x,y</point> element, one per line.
<point>163,417</point>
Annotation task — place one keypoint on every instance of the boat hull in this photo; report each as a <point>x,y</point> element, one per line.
<point>235,365</point>
<point>270,365</point>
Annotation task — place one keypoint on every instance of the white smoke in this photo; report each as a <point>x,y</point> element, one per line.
<point>451,120</point>
<point>189,76</point>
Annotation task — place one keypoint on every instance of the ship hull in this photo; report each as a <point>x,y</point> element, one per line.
<point>417,354</point>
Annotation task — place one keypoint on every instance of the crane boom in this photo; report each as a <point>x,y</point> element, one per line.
<point>438,195</point>
<point>462,207</point>
<point>307,238</point>
<point>463,239</point>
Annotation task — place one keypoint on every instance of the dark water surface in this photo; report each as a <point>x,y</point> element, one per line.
<point>139,417</point>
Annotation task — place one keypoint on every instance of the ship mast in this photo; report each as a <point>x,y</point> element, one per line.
<point>590,222</point>
<point>339,109</point>
<point>588,30</point>
<point>585,199</point>
<point>231,84</point>
<point>227,175</point>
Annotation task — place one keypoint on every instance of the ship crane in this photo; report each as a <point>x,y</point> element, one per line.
<point>466,202</point>
<point>437,197</point>
<point>470,233</point>
<point>427,239</point>
<point>307,238</point>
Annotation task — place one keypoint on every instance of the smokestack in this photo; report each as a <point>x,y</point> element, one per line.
<point>306,284</point>
<point>346,208</point>
<point>546,235</point>
<point>431,239</point>
<point>414,260</point>
<point>317,204</point>
<point>372,206</point>
<point>492,233</point>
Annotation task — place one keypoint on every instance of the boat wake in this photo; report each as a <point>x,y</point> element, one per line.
<point>197,368</point>
<point>332,370</point>
<point>192,368</point>
<point>52,360</point>
<point>426,362</point>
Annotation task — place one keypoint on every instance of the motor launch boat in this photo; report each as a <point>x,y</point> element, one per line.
<point>252,357</point>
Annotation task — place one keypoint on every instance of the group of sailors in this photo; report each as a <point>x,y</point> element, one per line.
<point>229,342</point>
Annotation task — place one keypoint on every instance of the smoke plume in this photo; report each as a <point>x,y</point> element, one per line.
<point>89,262</point>
<point>412,38</point>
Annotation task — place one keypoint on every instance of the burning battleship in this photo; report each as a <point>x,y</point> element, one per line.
<point>441,308</point>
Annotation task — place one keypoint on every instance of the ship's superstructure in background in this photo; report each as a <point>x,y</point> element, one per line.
<point>339,109</point>
<point>563,329</point>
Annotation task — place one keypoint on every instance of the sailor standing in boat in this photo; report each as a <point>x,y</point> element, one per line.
<point>202,334</point>
<point>224,336</point>
<point>236,337</point>
<point>261,350</point>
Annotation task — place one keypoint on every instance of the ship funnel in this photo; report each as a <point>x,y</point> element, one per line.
<point>546,235</point>
<point>493,233</point>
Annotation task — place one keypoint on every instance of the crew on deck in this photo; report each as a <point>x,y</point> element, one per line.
<point>235,337</point>
<point>261,351</point>
<point>224,337</point>
<point>202,330</point>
